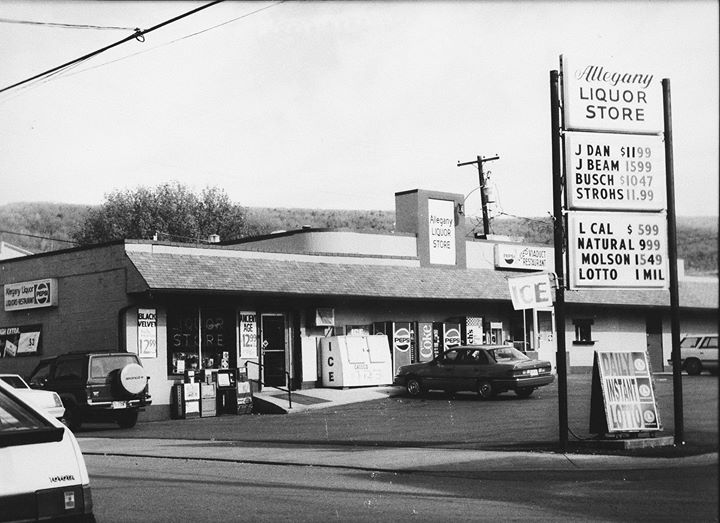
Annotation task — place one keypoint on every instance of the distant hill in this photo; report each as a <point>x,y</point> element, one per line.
<point>43,227</point>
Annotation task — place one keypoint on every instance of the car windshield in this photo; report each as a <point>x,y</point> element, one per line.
<point>14,381</point>
<point>21,425</point>
<point>101,366</point>
<point>503,354</point>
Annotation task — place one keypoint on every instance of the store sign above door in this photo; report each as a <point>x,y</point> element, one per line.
<point>604,97</point>
<point>31,294</point>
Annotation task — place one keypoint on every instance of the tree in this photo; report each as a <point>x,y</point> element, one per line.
<point>171,210</point>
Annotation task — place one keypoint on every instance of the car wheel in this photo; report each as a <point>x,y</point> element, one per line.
<point>693,367</point>
<point>485,390</point>
<point>128,419</point>
<point>524,392</point>
<point>73,419</point>
<point>414,386</point>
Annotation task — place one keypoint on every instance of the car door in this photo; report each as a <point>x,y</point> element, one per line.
<point>709,351</point>
<point>465,370</point>
<point>440,373</point>
<point>470,369</point>
<point>67,378</point>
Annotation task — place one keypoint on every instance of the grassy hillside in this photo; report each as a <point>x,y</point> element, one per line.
<point>43,226</point>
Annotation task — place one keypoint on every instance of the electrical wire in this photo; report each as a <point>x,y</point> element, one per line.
<point>67,26</point>
<point>174,41</point>
<point>36,236</point>
<point>521,217</point>
<point>138,34</point>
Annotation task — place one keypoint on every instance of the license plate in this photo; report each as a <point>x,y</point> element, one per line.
<point>533,372</point>
<point>119,404</point>
<point>69,500</point>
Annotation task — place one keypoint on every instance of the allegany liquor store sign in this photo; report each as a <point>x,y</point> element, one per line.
<point>611,99</point>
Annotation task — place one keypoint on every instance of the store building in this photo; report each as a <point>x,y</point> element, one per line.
<point>265,303</point>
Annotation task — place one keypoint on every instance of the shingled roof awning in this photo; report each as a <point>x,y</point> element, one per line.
<point>174,272</point>
<point>252,273</point>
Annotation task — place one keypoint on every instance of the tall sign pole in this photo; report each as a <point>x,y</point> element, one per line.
<point>617,174</point>
<point>673,268</point>
<point>559,247</point>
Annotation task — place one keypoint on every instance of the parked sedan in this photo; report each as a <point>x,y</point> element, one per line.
<point>485,369</point>
<point>47,400</point>
<point>44,477</point>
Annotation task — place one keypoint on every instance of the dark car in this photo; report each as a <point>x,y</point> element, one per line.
<point>95,386</point>
<point>485,369</point>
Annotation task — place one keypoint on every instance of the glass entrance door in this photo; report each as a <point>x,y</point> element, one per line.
<point>272,333</point>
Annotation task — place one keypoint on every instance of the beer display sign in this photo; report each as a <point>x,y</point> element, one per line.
<point>617,250</point>
<point>622,383</point>
<point>615,172</point>
<point>147,333</point>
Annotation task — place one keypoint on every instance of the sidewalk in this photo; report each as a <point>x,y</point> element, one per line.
<point>381,459</point>
<point>276,402</point>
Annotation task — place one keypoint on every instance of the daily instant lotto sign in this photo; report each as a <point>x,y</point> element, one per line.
<point>623,385</point>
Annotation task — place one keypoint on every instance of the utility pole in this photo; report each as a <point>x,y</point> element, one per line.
<point>483,194</point>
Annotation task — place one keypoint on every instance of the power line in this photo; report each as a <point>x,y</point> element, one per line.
<point>67,26</point>
<point>176,40</point>
<point>523,217</point>
<point>139,34</point>
<point>36,236</point>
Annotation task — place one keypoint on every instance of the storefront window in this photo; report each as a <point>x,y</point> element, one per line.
<point>218,339</point>
<point>200,339</point>
<point>183,350</point>
<point>583,332</point>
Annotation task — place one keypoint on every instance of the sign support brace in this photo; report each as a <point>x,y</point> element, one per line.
<point>561,360</point>
<point>673,268</point>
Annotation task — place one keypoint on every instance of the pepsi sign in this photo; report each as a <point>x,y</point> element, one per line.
<point>30,294</point>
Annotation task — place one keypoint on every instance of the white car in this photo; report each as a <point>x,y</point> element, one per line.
<point>699,352</point>
<point>44,399</point>
<point>44,476</point>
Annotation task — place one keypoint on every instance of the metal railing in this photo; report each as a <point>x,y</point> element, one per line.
<point>262,384</point>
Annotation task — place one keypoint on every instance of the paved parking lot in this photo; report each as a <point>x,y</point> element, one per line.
<point>442,421</point>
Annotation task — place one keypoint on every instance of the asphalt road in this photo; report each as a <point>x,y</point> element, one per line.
<point>401,459</point>
<point>128,489</point>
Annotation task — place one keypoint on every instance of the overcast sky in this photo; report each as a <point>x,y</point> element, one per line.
<point>333,104</point>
